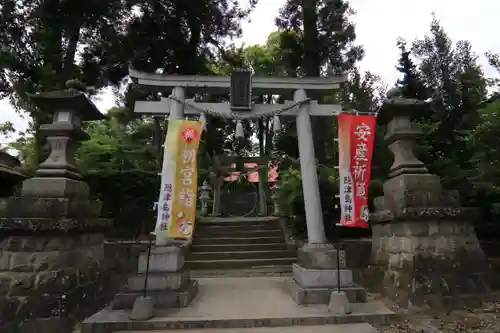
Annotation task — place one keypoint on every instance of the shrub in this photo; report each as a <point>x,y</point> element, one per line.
<point>128,198</point>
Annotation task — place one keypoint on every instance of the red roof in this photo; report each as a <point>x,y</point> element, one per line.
<point>253,177</point>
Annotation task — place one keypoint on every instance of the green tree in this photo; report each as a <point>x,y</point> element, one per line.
<point>6,130</point>
<point>457,88</point>
<point>486,160</point>
<point>494,61</point>
<point>411,84</point>
<point>26,145</point>
<point>320,35</point>
<point>182,37</point>
<point>483,140</point>
<point>40,42</point>
<point>48,42</point>
<point>119,145</point>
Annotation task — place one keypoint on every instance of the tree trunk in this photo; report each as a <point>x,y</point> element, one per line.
<point>69,58</point>
<point>321,127</point>
<point>311,52</point>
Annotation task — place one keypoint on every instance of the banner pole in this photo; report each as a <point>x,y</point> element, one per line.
<point>338,254</point>
<point>147,265</point>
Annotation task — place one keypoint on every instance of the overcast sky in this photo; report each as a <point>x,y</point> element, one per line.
<point>378,25</point>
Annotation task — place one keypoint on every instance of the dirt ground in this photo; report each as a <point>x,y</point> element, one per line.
<point>482,320</point>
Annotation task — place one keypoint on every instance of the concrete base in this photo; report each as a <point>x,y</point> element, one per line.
<point>316,276</point>
<point>320,256</point>
<point>168,282</point>
<point>304,296</point>
<point>161,299</point>
<point>142,309</point>
<point>322,278</point>
<point>234,303</point>
<point>159,281</point>
<point>169,258</point>
<point>339,304</point>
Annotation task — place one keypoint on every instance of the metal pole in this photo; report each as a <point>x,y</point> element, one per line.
<point>147,265</point>
<point>337,227</point>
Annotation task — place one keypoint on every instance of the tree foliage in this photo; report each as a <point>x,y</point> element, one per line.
<point>45,43</point>
<point>320,39</point>
<point>457,88</point>
<point>326,34</point>
<point>117,146</point>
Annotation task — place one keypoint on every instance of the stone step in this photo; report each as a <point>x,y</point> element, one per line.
<point>234,255</point>
<point>341,328</point>
<point>238,240</point>
<point>242,226</point>
<point>161,299</point>
<point>113,321</point>
<point>238,247</point>
<point>238,263</point>
<point>283,270</point>
<point>236,221</point>
<point>238,233</point>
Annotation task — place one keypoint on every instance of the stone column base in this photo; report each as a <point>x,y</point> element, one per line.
<point>315,277</point>
<point>168,282</point>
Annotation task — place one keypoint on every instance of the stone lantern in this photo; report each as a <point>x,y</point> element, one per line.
<point>424,247</point>
<point>57,176</point>
<point>205,197</point>
<point>52,233</point>
<point>274,197</point>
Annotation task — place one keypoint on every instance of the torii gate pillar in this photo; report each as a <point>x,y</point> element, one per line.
<point>308,171</point>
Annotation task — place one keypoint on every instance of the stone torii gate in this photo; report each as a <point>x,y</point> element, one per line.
<point>317,257</point>
<point>183,85</point>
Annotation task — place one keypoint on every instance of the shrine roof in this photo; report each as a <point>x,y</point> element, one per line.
<point>221,84</point>
<point>52,101</point>
<point>8,167</point>
<point>254,176</point>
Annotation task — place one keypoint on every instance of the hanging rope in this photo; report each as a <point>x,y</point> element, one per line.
<point>240,116</point>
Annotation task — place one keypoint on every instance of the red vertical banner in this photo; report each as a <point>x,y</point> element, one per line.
<point>356,139</point>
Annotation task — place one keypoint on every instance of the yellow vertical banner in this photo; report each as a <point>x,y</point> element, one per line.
<point>185,187</point>
<point>178,193</point>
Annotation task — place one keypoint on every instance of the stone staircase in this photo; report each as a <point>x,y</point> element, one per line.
<point>239,247</point>
<point>248,257</point>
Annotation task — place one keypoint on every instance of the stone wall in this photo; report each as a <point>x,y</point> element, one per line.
<point>439,263</point>
<point>359,252</point>
<point>60,279</point>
